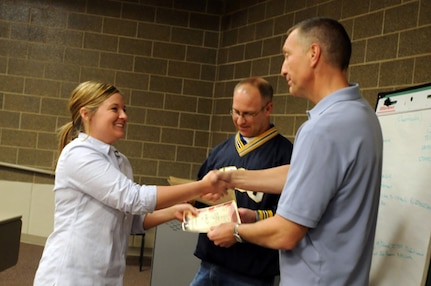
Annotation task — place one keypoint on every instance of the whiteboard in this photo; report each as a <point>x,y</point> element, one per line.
<point>401,252</point>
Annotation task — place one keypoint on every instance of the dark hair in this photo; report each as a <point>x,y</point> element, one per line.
<point>332,37</point>
<point>265,89</point>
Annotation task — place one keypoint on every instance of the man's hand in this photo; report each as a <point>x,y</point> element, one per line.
<point>222,235</point>
<point>215,188</point>
<point>247,215</point>
<point>226,176</point>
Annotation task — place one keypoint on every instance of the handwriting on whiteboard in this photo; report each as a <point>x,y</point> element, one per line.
<point>397,250</point>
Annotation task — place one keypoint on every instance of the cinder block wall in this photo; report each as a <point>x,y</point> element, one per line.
<point>160,54</point>
<point>177,62</point>
<point>391,50</point>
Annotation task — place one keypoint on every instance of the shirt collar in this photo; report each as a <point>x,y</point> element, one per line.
<point>102,146</point>
<point>348,93</point>
<point>248,139</point>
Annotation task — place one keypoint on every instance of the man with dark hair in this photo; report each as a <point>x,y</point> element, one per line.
<point>327,212</point>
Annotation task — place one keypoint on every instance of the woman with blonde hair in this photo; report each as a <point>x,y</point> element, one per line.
<point>97,204</point>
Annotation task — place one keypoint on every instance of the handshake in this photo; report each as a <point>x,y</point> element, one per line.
<point>220,187</point>
<point>217,183</point>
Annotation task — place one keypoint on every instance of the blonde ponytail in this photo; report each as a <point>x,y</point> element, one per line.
<point>65,135</point>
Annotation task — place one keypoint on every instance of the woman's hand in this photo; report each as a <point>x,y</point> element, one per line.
<point>179,209</point>
<point>167,214</point>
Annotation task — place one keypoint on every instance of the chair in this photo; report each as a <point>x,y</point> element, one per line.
<point>10,234</point>
<point>141,251</point>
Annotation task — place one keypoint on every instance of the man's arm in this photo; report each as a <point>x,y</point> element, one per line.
<point>275,232</point>
<point>267,180</point>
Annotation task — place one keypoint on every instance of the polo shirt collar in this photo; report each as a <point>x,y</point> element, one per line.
<point>345,94</point>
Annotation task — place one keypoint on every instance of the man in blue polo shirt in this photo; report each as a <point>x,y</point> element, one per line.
<point>327,212</point>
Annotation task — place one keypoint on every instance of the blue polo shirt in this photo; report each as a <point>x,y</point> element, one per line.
<point>333,188</point>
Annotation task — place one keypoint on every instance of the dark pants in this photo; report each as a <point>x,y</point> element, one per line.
<point>214,275</point>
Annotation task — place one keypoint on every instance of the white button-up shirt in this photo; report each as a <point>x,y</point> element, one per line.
<point>97,206</point>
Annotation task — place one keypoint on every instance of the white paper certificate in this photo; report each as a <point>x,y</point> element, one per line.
<point>211,216</point>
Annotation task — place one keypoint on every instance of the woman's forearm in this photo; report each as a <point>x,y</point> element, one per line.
<point>170,195</point>
<point>167,214</point>
<point>157,217</point>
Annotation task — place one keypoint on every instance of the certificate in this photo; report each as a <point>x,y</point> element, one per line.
<point>211,216</point>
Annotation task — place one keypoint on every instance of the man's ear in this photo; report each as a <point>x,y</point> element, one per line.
<point>315,53</point>
<point>269,107</point>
